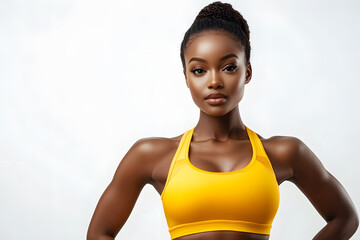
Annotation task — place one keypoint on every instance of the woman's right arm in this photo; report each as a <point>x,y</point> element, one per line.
<point>118,200</point>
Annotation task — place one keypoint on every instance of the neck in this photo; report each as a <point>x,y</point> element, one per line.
<point>220,128</point>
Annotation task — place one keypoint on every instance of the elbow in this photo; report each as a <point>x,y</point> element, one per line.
<point>96,232</point>
<point>96,236</point>
<point>91,236</point>
<point>356,221</point>
<point>351,225</point>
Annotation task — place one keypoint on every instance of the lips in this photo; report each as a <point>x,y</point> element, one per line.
<point>215,99</point>
<point>215,95</point>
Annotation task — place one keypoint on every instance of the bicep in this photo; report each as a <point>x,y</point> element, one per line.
<point>119,198</point>
<point>323,190</point>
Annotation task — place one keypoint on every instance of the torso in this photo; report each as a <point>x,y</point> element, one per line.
<point>206,155</point>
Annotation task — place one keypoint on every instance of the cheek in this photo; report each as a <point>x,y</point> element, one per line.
<point>236,87</point>
<point>197,89</point>
<point>236,84</point>
<point>197,86</point>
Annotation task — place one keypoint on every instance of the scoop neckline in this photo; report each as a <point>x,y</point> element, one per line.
<point>220,173</point>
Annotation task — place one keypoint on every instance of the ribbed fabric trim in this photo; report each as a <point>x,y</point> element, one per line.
<point>218,225</point>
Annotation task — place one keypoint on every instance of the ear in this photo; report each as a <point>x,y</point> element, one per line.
<point>248,73</point>
<point>185,78</point>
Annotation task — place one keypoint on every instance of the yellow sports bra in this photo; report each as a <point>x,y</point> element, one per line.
<point>196,200</point>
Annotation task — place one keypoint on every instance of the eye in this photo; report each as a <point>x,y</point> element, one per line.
<point>195,71</point>
<point>232,68</point>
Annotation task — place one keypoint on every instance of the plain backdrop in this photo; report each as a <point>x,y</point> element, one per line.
<point>82,81</point>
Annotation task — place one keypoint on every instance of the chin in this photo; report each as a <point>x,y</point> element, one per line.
<point>215,112</point>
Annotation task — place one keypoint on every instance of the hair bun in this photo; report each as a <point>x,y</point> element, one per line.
<point>226,12</point>
<point>217,10</point>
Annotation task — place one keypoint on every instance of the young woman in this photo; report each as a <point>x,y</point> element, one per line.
<point>220,179</point>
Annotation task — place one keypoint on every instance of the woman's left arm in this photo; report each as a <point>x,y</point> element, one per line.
<point>325,193</point>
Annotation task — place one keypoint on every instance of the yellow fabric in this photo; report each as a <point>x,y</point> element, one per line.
<point>196,200</point>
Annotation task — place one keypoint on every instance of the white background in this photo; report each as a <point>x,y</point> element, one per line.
<point>81,81</point>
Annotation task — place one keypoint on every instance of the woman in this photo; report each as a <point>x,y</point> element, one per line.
<point>220,179</point>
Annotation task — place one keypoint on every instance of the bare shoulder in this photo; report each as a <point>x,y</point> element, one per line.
<point>154,144</point>
<point>154,147</point>
<point>283,148</point>
<point>146,154</point>
<point>285,154</point>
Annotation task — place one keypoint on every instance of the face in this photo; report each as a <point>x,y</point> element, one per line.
<point>215,63</point>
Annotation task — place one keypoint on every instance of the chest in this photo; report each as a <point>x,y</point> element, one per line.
<point>210,156</point>
<point>220,157</point>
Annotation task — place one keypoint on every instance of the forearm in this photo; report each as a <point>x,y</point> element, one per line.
<point>338,229</point>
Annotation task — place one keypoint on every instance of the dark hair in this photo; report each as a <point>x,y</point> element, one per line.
<point>218,16</point>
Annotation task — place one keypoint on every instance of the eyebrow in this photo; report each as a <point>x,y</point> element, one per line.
<point>221,59</point>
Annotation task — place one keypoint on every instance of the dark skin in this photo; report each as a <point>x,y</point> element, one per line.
<point>220,144</point>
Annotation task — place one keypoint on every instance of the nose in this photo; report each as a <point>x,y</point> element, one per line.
<point>215,81</point>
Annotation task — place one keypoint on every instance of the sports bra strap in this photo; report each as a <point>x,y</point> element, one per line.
<point>257,142</point>
<point>180,154</point>
<point>261,154</point>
